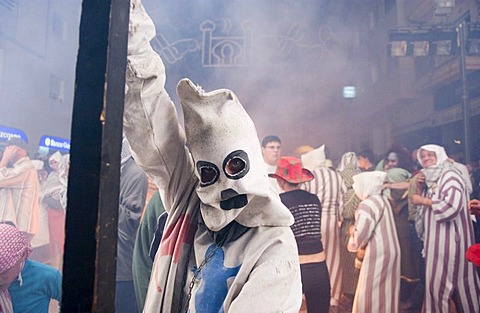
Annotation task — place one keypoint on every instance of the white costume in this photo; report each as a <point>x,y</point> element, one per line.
<point>224,223</point>
<point>378,288</point>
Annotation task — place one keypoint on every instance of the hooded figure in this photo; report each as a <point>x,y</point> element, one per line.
<point>227,244</point>
<point>378,287</point>
<point>329,187</point>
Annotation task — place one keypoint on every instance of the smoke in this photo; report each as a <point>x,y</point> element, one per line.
<point>285,60</point>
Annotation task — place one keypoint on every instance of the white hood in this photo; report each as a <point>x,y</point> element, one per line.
<point>368,183</point>
<point>218,128</point>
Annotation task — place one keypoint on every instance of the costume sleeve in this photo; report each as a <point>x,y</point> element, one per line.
<point>14,176</point>
<point>150,118</point>
<point>133,193</point>
<point>364,227</point>
<point>448,201</point>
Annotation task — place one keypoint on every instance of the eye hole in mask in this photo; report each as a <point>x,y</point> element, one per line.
<point>209,173</point>
<point>236,165</point>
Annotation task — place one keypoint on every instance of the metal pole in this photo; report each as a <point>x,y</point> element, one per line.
<point>461,29</point>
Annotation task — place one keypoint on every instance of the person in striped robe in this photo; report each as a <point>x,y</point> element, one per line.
<point>347,168</point>
<point>328,186</point>
<point>378,288</point>
<point>451,281</point>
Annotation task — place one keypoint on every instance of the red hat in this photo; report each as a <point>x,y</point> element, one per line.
<point>290,169</point>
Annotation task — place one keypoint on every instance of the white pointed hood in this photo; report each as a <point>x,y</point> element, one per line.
<point>314,159</point>
<point>218,129</point>
<point>368,183</point>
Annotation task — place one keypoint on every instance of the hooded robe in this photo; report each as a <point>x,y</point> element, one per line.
<point>378,287</point>
<point>227,244</point>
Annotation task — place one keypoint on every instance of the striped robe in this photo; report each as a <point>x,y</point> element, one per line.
<point>329,188</point>
<point>448,233</point>
<point>378,287</point>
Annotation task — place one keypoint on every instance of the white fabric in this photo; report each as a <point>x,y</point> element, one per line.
<point>368,183</point>
<point>463,170</point>
<point>19,192</point>
<point>273,181</point>
<point>439,153</point>
<point>57,156</point>
<point>433,172</point>
<point>268,277</point>
<point>216,124</point>
<point>38,164</point>
<point>314,159</point>
<point>347,158</point>
<point>63,169</point>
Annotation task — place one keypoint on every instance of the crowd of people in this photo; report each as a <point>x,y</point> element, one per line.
<point>231,225</point>
<point>395,232</point>
<point>33,200</point>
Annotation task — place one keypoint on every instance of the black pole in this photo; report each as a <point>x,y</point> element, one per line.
<point>461,30</point>
<point>92,209</point>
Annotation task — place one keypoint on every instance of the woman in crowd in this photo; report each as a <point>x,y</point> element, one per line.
<point>306,210</point>
<point>444,223</point>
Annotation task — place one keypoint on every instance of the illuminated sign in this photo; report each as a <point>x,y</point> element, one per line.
<point>55,143</point>
<point>349,92</point>
<point>8,132</point>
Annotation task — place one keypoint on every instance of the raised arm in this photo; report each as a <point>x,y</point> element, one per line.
<point>150,119</point>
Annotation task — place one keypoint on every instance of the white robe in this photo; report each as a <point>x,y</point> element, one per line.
<point>258,272</point>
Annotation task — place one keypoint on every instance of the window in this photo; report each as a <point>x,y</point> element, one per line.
<point>57,88</point>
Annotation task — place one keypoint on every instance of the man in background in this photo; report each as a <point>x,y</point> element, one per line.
<point>366,160</point>
<point>133,192</point>
<point>271,151</point>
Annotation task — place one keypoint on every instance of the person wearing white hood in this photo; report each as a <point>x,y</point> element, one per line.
<point>443,222</point>
<point>329,187</point>
<point>52,201</point>
<point>227,244</point>
<point>378,288</point>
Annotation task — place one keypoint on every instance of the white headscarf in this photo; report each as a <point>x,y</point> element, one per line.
<point>218,129</point>
<point>347,158</point>
<point>314,159</point>
<point>439,153</point>
<point>57,156</point>
<point>433,172</point>
<point>368,183</point>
